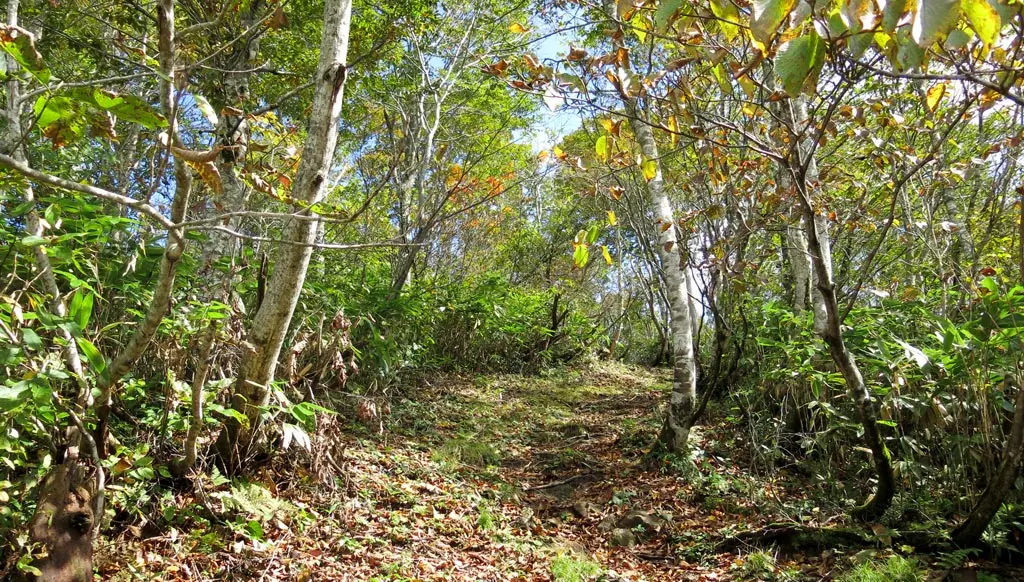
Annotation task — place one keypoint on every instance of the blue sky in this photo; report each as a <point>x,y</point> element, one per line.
<point>552,126</point>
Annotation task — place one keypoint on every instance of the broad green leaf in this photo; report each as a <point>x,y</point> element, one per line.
<point>21,46</point>
<point>649,168</point>
<point>799,59</point>
<point>722,77</point>
<point>640,25</point>
<point>934,18</point>
<point>13,393</point>
<point>592,233</point>
<point>958,39</point>
<point>892,13</point>
<point>768,16</point>
<point>61,119</point>
<point>31,339</point>
<point>601,148</point>
<point>663,15</point>
<point>129,108</point>
<point>96,360</point>
<point>909,55</point>
<point>33,241</point>
<point>728,17</point>
<point>983,19</point>
<point>81,307</point>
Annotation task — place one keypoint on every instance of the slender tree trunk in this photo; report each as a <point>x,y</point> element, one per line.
<point>65,515</point>
<point>271,322</point>
<point>799,260</point>
<point>683,401</point>
<point>969,532</point>
<point>161,301</point>
<point>803,173</point>
<point>678,420</point>
<point>233,134</point>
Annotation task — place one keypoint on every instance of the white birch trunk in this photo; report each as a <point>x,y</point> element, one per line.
<point>271,322</point>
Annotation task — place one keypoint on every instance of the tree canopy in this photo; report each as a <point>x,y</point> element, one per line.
<point>323,278</point>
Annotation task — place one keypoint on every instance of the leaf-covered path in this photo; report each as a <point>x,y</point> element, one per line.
<point>484,478</point>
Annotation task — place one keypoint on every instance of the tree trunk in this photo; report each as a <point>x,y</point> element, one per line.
<point>830,326</point>
<point>678,420</point>
<point>270,324</point>
<point>969,532</point>
<point>63,522</point>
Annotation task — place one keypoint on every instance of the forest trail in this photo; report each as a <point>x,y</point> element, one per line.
<point>498,477</point>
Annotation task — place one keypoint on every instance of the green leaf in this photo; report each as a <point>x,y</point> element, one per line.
<point>31,339</point>
<point>129,108</point>
<point>60,118</point>
<point>21,46</point>
<point>593,233</point>
<point>81,307</point>
<point>892,14</point>
<point>12,396</point>
<point>33,241</point>
<point>601,148</point>
<point>934,18</point>
<point>727,15</point>
<point>801,58</point>
<point>664,14</point>
<point>96,360</point>
<point>580,256</point>
<point>768,16</point>
<point>983,19</point>
<point>724,83</point>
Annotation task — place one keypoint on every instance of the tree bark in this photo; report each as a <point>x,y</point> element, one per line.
<point>161,301</point>
<point>799,165</point>
<point>682,403</point>
<point>270,324</point>
<point>969,532</point>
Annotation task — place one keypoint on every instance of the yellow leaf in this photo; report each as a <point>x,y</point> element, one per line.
<point>649,169</point>
<point>612,220</point>
<point>517,28</point>
<point>208,173</point>
<point>673,127</point>
<point>607,255</point>
<point>934,96</point>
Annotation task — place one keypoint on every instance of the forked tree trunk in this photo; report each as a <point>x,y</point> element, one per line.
<point>237,442</point>
<point>828,324</point>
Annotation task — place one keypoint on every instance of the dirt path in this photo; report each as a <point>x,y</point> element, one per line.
<point>477,478</point>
